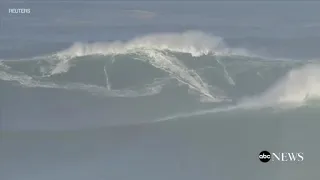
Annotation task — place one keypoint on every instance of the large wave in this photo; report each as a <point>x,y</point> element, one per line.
<point>164,51</point>
<point>152,49</point>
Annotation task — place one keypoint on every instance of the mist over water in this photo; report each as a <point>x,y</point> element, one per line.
<point>132,90</point>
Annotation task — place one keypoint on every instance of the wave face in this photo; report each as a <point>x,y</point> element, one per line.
<point>193,67</point>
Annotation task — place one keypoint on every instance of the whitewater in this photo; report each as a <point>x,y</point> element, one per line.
<point>158,90</point>
<point>161,51</point>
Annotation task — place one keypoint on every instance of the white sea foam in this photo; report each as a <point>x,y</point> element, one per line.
<point>291,91</point>
<point>154,48</point>
<point>195,43</point>
<point>297,87</point>
<point>31,82</point>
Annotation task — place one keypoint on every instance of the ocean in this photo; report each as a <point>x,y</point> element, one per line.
<point>148,90</point>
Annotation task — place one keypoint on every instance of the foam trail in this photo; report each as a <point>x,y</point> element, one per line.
<point>62,67</point>
<point>24,80</point>
<point>108,85</point>
<point>113,59</point>
<point>226,74</point>
<point>198,113</point>
<point>28,81</point>
<point>177,70</point>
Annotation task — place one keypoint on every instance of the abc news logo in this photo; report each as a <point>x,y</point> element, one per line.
<point>266,156</point>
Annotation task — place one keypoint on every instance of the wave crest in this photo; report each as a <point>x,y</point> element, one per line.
<point>196,43</point>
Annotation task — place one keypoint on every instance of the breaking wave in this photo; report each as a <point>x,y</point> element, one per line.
<point>295,88</point>
<point>201,61</point>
